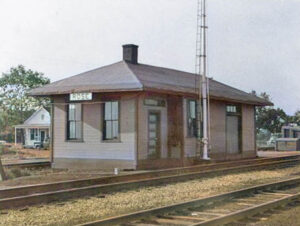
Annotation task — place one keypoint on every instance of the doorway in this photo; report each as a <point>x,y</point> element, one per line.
<point>233,129</point>
<point>154,135</point>
<point>42,138</point>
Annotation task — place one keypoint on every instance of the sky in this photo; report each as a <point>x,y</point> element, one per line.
<point>252,44</point>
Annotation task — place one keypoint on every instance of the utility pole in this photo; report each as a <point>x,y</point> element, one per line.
<point>203,86</point>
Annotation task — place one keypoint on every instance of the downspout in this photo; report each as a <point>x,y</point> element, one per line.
<point>52,132</point>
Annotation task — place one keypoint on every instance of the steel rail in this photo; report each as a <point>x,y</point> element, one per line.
<point>251,211</point>
<point>46,197</point>
<point>62,185</point>
<point>227,218</point>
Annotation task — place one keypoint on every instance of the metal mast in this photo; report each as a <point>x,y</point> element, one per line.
<point>203,88</point>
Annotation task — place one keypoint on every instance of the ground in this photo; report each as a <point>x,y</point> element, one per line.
<point>272,154</point>
<point>37,176</point>
<point>11,153</point>
<point>104,205</point>
<point>289,217</point>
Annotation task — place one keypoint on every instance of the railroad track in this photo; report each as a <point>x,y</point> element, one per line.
<point>45,193</point>
<point>221,209</point>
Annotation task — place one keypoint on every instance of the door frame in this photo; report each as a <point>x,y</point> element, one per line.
<point>157,112</point>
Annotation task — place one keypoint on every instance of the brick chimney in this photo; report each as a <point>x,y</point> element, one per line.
<point>130,53</point>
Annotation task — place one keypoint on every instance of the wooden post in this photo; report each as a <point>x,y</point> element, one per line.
<point>15,136</point>
<point>2,173</point>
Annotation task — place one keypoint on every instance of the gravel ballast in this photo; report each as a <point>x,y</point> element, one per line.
<point>93,208</point>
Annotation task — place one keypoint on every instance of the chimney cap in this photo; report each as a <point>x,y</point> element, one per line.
<point>130,45</point>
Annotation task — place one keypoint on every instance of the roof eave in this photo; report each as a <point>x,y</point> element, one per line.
<point>49,94</point>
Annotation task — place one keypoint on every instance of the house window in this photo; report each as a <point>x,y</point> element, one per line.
<point>111,120</point>
<point>74,127</point>
<point>42,116</point>
<point>286,133</point>
<point>34,134</point>
<point>192,118</point>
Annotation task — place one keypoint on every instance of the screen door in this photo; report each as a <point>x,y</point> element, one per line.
<point>154,135</point>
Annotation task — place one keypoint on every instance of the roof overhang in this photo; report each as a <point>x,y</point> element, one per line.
<point>33,126</point>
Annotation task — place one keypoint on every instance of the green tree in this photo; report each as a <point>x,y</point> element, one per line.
<point>270,118</point>
<point>15,104</point>
<point>296,117</point>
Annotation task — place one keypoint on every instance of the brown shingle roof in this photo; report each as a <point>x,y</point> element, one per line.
<point>123,76</point>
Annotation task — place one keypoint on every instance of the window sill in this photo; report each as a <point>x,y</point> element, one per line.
<point>111,141</point>
<point>190,137</point>
<point>74,141</point>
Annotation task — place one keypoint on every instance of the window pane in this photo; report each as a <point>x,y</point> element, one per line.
<point>152,151</point>
<point>231,109</point>
<point>115,110</point>
<point>71,111</point>
<point>152,126</point>
<point>193,109</point>
<point>72,132</point>
<point>152,143</point>
<point>152,135</point>
<point>108,130</point>
<point>115,129</point>
<point>32,134</point>
<point>78,112</point>
<point>107,109</point>
<point>78,130</point>
<point>152,118</point>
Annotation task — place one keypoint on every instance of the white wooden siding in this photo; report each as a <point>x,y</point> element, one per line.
<point>93,147</point>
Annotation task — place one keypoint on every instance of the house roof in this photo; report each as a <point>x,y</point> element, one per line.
<point>35,122</point>
<point>124,76</point>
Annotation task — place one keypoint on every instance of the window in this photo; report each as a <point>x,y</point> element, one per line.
<point>74,127</point>
<point>42,116</point>
<point>111,120</point>
<point>233,109</point>
<point>286,133</point>
<point>192,118</point>
<point>155,102</point>
<point>296,134</point>
<point>34,134</point>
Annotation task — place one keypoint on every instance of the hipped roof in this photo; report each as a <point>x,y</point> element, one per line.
<point>123,76</point>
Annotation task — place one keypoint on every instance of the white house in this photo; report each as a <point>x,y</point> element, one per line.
<point>35,130</point>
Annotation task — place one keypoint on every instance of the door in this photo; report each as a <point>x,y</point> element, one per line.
<point>42,137</point>
<point>232,134</point>
<point>154,135</point>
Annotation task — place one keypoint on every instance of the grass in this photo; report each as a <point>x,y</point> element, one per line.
<point>93,208</point>
<point>1,149</point>
<point>16,172</point>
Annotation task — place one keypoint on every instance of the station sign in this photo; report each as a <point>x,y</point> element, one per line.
<point>81,96</point>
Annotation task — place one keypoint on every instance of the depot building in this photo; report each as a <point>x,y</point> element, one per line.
<point>130,115</point>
